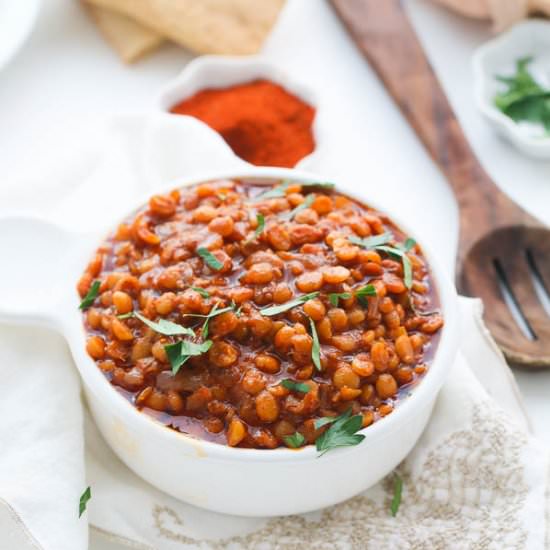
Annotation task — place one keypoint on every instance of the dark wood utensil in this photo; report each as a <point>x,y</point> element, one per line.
<point>503,253</point>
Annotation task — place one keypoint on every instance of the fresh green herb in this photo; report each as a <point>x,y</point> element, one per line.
<point>295,440</point>
<point>275,310</point>
<point>524,99</point>
<point>209,258</point>
<point>363,292</point>
<point>213,312</point>
<point>276,192</point>
<point>409,244</point>
<point>397,490</point>
<point>280,190</point>
<point>407,266</point>
<point>125,315</point>
<point>320,422</point>
<point>342,432</point>
<point>294,386</point>
<point>84,498</point>
<point>261,225</point>
<point>371,243</point>
<point>163,326</point>
<point>316,347</point>
<point>88,300</point>
<point>204,293</point>
<point>333,297</point>
<point>308,201</point>
<point>179,352</point>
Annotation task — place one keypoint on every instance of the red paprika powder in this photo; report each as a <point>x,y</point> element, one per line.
<point>262,122</point>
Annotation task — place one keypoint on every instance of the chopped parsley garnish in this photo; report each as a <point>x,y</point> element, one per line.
<point>204,293</point>
<point>280,190</point>
<point>295,386</point>
<point>333,297</point>
<point>295,440</point>
<point>397,490</point>
<point>209,258</point>
<point>524,99</point>
<point>341,433</point>
<point>84,498</point>
<point>316,347</point>
<point>275,310</point>
<point>276,192</point>
<point>409,244</point>
<point>91,295</point>
<point>260,219</point>
<point>364,292</point>
<point>308,201</point>
<point>179,352</point>
<point>370,243</point>
<point>407,266</point>
<point>168,328</point>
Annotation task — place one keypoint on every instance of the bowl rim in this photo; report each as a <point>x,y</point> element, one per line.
<point>425,392</point>
<point>536,145</point>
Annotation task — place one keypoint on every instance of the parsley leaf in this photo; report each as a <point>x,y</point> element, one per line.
<point>84,498</point>
<point>302,206</point>
<point>91,295</point>
<point>209,258</point>
<point>261,225</point>
<point>409,244</point>
<point>204,293</point>
<point>295,440</point>
<point>524,99</point>
<point>341,432</point>
<point>275,310</point>
<point>316,347</point>
<point>276,192</point>
<point>363,292</point>
<point>333,297</point>
<point>407,266</point>
<point>397,490</point>
<point>163,326</point>
<point>280,190</point>
<point>180,352</point>
<point>295,386</point>
<point>372,242</point>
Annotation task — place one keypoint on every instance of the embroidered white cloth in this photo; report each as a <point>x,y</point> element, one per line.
<point>476,479</point>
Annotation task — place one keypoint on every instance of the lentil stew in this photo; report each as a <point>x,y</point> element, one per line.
<point>243,311</point>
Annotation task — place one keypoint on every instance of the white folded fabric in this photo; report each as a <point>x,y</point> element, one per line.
<point>476,479</point>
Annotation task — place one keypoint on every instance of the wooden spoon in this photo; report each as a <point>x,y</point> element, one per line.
<point>503,253</point>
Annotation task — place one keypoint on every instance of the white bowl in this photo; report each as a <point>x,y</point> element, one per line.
<point>219,71</point>
<point>498,57</point>
<point>247,482</point>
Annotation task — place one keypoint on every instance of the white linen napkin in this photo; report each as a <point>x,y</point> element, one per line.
<point>476,479</point>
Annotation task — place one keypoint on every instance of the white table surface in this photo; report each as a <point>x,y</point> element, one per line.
<point>67,75</point>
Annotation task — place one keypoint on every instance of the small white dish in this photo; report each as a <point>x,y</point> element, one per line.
<point>530,38</point>
<point>219,71</point>
<point>236,481</point>
<point>18,19</point>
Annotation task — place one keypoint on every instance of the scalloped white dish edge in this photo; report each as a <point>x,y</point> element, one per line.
<point>526,38</point>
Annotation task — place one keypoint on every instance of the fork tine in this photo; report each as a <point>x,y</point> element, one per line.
<point>519,276</point>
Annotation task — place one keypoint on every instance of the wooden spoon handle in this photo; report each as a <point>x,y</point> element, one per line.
<point>383,33</point>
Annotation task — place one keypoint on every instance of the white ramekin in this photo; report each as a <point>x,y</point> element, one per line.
<point>498,57</point>
<point>222,71</point>
<point>247,482</point>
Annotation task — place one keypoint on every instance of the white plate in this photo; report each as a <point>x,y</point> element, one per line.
<point>17,18</point>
